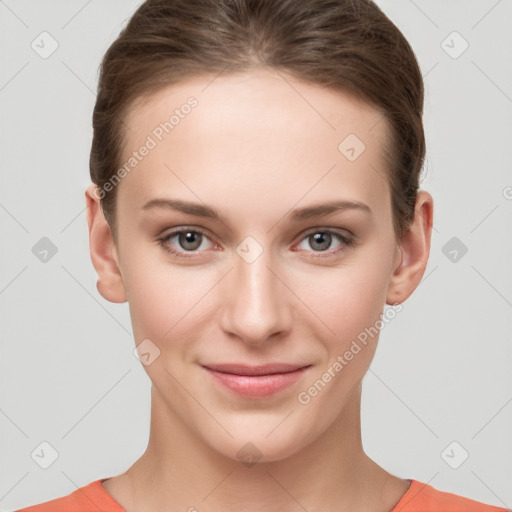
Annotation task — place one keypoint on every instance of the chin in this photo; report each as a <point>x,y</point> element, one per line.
<point>267,442</point>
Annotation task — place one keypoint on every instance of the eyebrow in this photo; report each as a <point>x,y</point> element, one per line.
<point>299,214</point>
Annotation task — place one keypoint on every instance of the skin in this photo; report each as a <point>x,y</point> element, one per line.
<point>255,148</point>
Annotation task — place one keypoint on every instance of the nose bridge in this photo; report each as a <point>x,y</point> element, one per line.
<point>256,305</point>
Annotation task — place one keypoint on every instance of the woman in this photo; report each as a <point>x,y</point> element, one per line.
<point>255,199</point>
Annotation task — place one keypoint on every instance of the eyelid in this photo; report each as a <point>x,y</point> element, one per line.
<point>323,229</point>
<point>183,229</point>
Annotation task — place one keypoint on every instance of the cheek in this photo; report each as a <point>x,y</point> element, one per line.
<point>351,308</point>
<point>163,299</point>
<point>349,299</point>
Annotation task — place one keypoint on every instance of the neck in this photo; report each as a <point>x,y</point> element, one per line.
<point>179,471</point>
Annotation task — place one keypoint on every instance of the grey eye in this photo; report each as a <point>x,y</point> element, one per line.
<point>321,240</point>
<point>190,240</point>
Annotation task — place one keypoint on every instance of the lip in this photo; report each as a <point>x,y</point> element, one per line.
<point>256,381</point>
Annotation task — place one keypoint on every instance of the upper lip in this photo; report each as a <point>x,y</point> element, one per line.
<point>266,369</point>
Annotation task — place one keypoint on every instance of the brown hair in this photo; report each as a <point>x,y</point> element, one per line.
<point>347,45</point>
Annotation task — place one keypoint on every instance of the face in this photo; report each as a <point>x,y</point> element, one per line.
<point>229,254</point>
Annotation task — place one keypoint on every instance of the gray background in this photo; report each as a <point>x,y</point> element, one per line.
<point>442,369</point>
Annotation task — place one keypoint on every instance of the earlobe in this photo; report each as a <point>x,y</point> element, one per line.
<point>414,251</point>
<point>103,250</point>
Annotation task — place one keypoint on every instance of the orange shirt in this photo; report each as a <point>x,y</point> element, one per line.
<point>419,497</point>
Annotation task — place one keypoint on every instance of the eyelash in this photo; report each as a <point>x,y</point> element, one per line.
<point>347,242</point>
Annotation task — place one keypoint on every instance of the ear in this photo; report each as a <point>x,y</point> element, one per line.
<point>103,250</point>
<point>415,249</point>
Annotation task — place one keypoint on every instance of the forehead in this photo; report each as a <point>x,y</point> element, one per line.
<point>256,133</point>
<point>258,98</point>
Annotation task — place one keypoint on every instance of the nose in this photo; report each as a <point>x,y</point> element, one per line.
<point>256,305</point>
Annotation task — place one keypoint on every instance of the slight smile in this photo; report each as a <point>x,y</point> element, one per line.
<point>256,381</point>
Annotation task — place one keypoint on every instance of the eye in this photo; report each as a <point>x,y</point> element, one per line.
<point>187,240</point>
<point>192,240</point>
<point>322,240</point>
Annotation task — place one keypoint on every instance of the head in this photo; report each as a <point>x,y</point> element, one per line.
<point>258,112</point>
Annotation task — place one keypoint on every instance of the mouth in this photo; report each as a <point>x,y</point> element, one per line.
<point>256,381</point>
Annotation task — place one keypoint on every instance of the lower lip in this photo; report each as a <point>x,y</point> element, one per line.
<point>257,385</point>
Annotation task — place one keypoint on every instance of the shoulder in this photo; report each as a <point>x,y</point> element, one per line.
<point>422,497</point>
<point>89,498</point>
